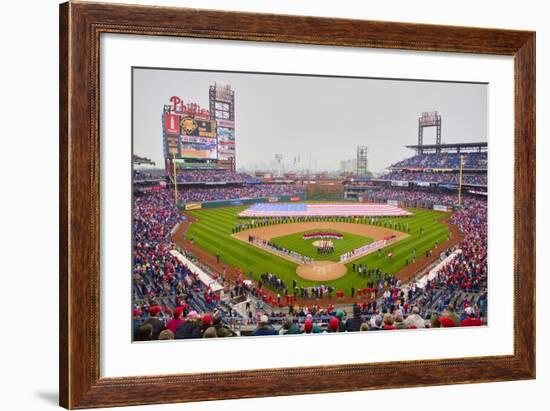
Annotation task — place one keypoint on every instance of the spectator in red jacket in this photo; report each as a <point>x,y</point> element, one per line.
<point>175,322</point>
<point>446,322</point>
<point>471,320</point>
<point>334,324</point>
<point>388,322</point>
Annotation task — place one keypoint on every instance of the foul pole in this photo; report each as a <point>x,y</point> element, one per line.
<point>460,181</point>
<point>175,180</point>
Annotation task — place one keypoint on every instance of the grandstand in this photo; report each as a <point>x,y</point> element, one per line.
<point>434,176</point>
<point>212,176</point>
<point>420,261</point>
<point>204,182</point>
<point>146,178</point>
<point>196,288</point>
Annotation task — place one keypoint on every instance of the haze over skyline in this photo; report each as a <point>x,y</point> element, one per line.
<point>314,122</point>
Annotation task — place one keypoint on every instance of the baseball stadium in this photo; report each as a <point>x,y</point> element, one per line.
<point>222,252</point>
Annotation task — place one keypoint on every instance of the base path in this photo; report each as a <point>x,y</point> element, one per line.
<point>279,230</point>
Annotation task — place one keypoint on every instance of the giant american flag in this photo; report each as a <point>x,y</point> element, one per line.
<point>326,210</point>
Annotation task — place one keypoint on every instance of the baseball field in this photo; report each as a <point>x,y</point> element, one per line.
<point>212,231</point>
<point>297,243</point>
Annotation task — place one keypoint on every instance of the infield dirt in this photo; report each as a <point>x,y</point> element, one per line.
<point>269,232</point>
<point>320,270</point>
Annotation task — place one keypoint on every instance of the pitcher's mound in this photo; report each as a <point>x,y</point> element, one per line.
<point>321,270</point>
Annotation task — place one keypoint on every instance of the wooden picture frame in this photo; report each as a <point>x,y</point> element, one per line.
<point>80,27</point>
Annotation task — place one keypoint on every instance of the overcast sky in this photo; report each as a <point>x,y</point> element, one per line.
<point>322,118</point>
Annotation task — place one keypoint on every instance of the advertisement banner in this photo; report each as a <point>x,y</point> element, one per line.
<point>272,199</point>
<point>197,140</point>
<point>173,151</point>
<point>191,164</point>
<point>393,203</point>
<point>174,148</point>
<point>198,128</point>
<point>422,183</point>
<point>226,143</point>
<point>171,124</point>
<point>226,152</point>
<point>295,198</point>
<point>198,147</point>
<point>229,145</point>
<point>162,186</point>
<point>226,134</point>
<point>226,123</point>
<point>193,206</point>
<point>400,183</point>
<point>483,193</point>
<point>449,186</point>
<point>438,207</point>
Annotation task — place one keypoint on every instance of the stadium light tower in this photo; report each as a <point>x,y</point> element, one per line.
<point>429,119</point>
<point>460,180</point>
<point>362,158</point>
<point>279,160</point>
<point>175,180</point>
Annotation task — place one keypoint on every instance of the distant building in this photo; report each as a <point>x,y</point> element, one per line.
<point>348,166</point>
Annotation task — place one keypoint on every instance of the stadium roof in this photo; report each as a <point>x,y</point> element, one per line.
<point>141,160</point>
<point>479,145</point>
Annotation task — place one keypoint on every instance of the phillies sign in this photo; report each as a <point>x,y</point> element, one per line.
<point>189,109</point>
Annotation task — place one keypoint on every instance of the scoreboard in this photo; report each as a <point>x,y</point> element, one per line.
<point>192,137</point>
<point>192,132</point>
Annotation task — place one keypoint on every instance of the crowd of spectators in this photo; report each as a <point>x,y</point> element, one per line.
<point>170,301</point>
<point>468,270</point>
<point>410,197</point>
<point>474,161</point>
<point>161,283</point>
<point>173,325</point>
<point>156,271</point>
<point>461,282</point>
<point>213,175</point>
<point>233,192</point>
<point>441,178</point>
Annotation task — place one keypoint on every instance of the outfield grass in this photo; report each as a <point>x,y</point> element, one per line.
<point>297,243</point>
<point>213,233</point>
